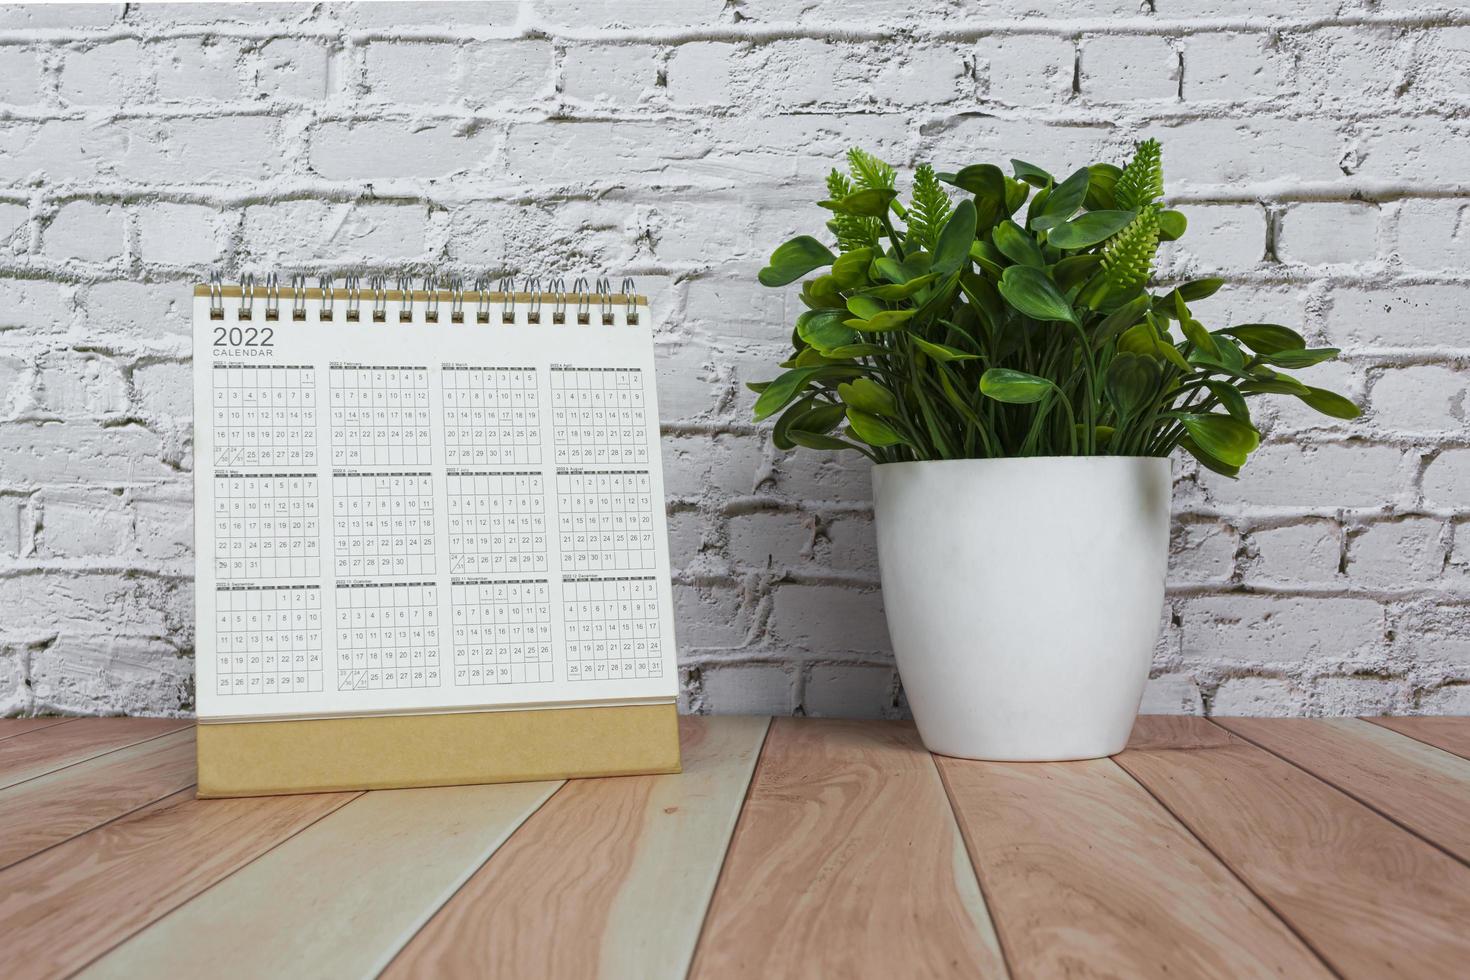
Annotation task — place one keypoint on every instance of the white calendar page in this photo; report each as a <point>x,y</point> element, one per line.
<point>419,517</point>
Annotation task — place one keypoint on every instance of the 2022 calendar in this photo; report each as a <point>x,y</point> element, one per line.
<point>415,501</point>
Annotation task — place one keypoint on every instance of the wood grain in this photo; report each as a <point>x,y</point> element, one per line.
<point>1371,898</point>
<point>42,812</point>
<point>11,727</point>
<point>847,862</point>
<point>610,878</point>
<point>36,753</point>
<point>340,898</point>
<point>1088,876</point>
<point>68,905</point>
<point>1416,785</point>
<point>1450,734</point>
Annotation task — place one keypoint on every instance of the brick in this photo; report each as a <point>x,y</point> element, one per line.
<point>480,13</point>
<point>1308,553</point>
<point>92,672</point>
<point>104,74</point>
<point>14,228</point>
<point>34,306</point>
<point>585,14</point>
<point>1256,697</point>
<point>1446,477</point>
<point>21,82</point>
<point>707,616</point>
<point>1444,62</point>
<point>924,76</point>
<point>14,374</point>
<point>1293,476</point>
<point>411,73</point>
<point>1218,238</point>
<point>1434,234</point>
<point>1367,696</point>
<point>203,68</point>
<point>1057,147</point>
<point>165,390</point>
<point>306,231</point>
<point>1397,554</point>
<point>383,150</point>
<point>1231,67</point>
<point>78,384</point>
<point>1406,149</point>
<point>82,523</point>
<point>1123,68</point>
<point>87,231</point>
<point>1320,234</point>
<point>1356,65</point>
<point>507,72</point>
<point>1171,694</point>
<point>1027,69</point>
<point>1285,414</point>
<point>1426,399</point>
<point>552,151</point>
<point>1400,316</point>
<point>749,689</point>
<point>850,691</point>
<point>23,16</point>
<point>178,234</point>
<point>1242,151</point>
<point>1265,630</point>
<point>13,511</point>
<point>195,149</point>
<point>623,74</point>
<point>293,69</point>
<point>1201,552</point>
<point>164,524</point>
<point>1450,699</point>
<point>80,452</point>
<point>771,539</point>
<point>699,73</point>
<point>137,310</point>
<point>828,618</point>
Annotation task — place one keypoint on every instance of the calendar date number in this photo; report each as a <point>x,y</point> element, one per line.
<point>244,337</point>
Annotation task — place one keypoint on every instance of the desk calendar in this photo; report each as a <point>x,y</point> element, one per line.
<point>435,510</point>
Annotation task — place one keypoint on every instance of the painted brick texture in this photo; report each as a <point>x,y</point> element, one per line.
<point>1318,149</point>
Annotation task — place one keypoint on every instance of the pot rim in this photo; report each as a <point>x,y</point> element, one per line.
<point>998,460</point>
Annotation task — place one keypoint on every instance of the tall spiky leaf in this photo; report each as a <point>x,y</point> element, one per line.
<point>852,231</point>
<point>869,172</point>
<point>1142,182</point>
<point>1128,257</point>
<point>930,208</point>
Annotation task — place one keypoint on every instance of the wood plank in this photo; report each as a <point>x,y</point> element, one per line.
<point>610,879</point>
<point>1450,734</point>
<point>38,752</point>
<point>1371,898</point>
<point>74,902</point>
<point>847,862</point>
<point>11,727</point>
<point>1416,785</point>
<point>1087,875</point>
<point>42,812</point>
<point>340,898</point>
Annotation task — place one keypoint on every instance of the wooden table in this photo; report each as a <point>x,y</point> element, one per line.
<point>802,848</point>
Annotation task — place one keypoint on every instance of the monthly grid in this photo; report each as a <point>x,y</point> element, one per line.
<point>387,637</point>
<point>497,523</point>
<point>384,524</point>
<point>380,416</point>
<point>502,633</point>
<point>605,521</point>
<point>598,417</point>
<point>612,629</point>
<point>264,416</point>
<point>491,417</point>
<point>266,527</point>
<point>268,640</point>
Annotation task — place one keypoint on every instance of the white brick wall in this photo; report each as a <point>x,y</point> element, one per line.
<point>1319,149</point>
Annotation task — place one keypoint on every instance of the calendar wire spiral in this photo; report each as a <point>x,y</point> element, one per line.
<point>479,304</point>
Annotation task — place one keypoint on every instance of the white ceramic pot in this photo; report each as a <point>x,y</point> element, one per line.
<point>1023,598</point>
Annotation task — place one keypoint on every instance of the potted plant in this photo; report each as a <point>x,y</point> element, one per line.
<point>998,354</point>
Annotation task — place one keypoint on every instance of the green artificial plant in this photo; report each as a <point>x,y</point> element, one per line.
<point>1015,321</point>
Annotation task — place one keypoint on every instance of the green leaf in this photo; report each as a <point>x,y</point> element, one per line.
<point>1130,384</point>
<point>1063,201</point>
<point>1266,338</point>
<point>1120,320</point>
<point>989,186</point>
<point>857,350</point>
<point>953,247</point>
<point>1143,338</point>
<point>1225,438</point>
<point>797,409</point>
<point>1171,225</point>
<point>900,290</point>
<point>1202,339</point>
<point>814,440</point>
<point>780,391</point>
<point>864,307</point>
<point>1142,181</point>
<point>1014,387</point>
<point>871,429</point>
<point>870,203</point>
<point>1230,399</point>
<point>1088,229</point>
<point>1200,288</point>
<point>887,320</point>
<point>1100,188</point>
<point>941,352</point>
<point>1031,292</point>
<point>1075,269</point>
<point>1330,403</point>
<point>1300,358</point>
<point>1030,173</point>
<point>795,259</point>
<point>1018,245</point>
<point>850,269</point>
<point>820,292</point>
<point>1207,461</point>
<point>867,395</point>
<point>824,330</point>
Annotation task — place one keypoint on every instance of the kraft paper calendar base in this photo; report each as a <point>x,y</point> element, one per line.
<point>398,751</point>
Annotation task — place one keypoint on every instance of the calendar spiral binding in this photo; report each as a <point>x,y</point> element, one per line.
<point>473,305</point>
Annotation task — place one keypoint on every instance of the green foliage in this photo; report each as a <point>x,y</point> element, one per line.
<point>1015,320</point>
